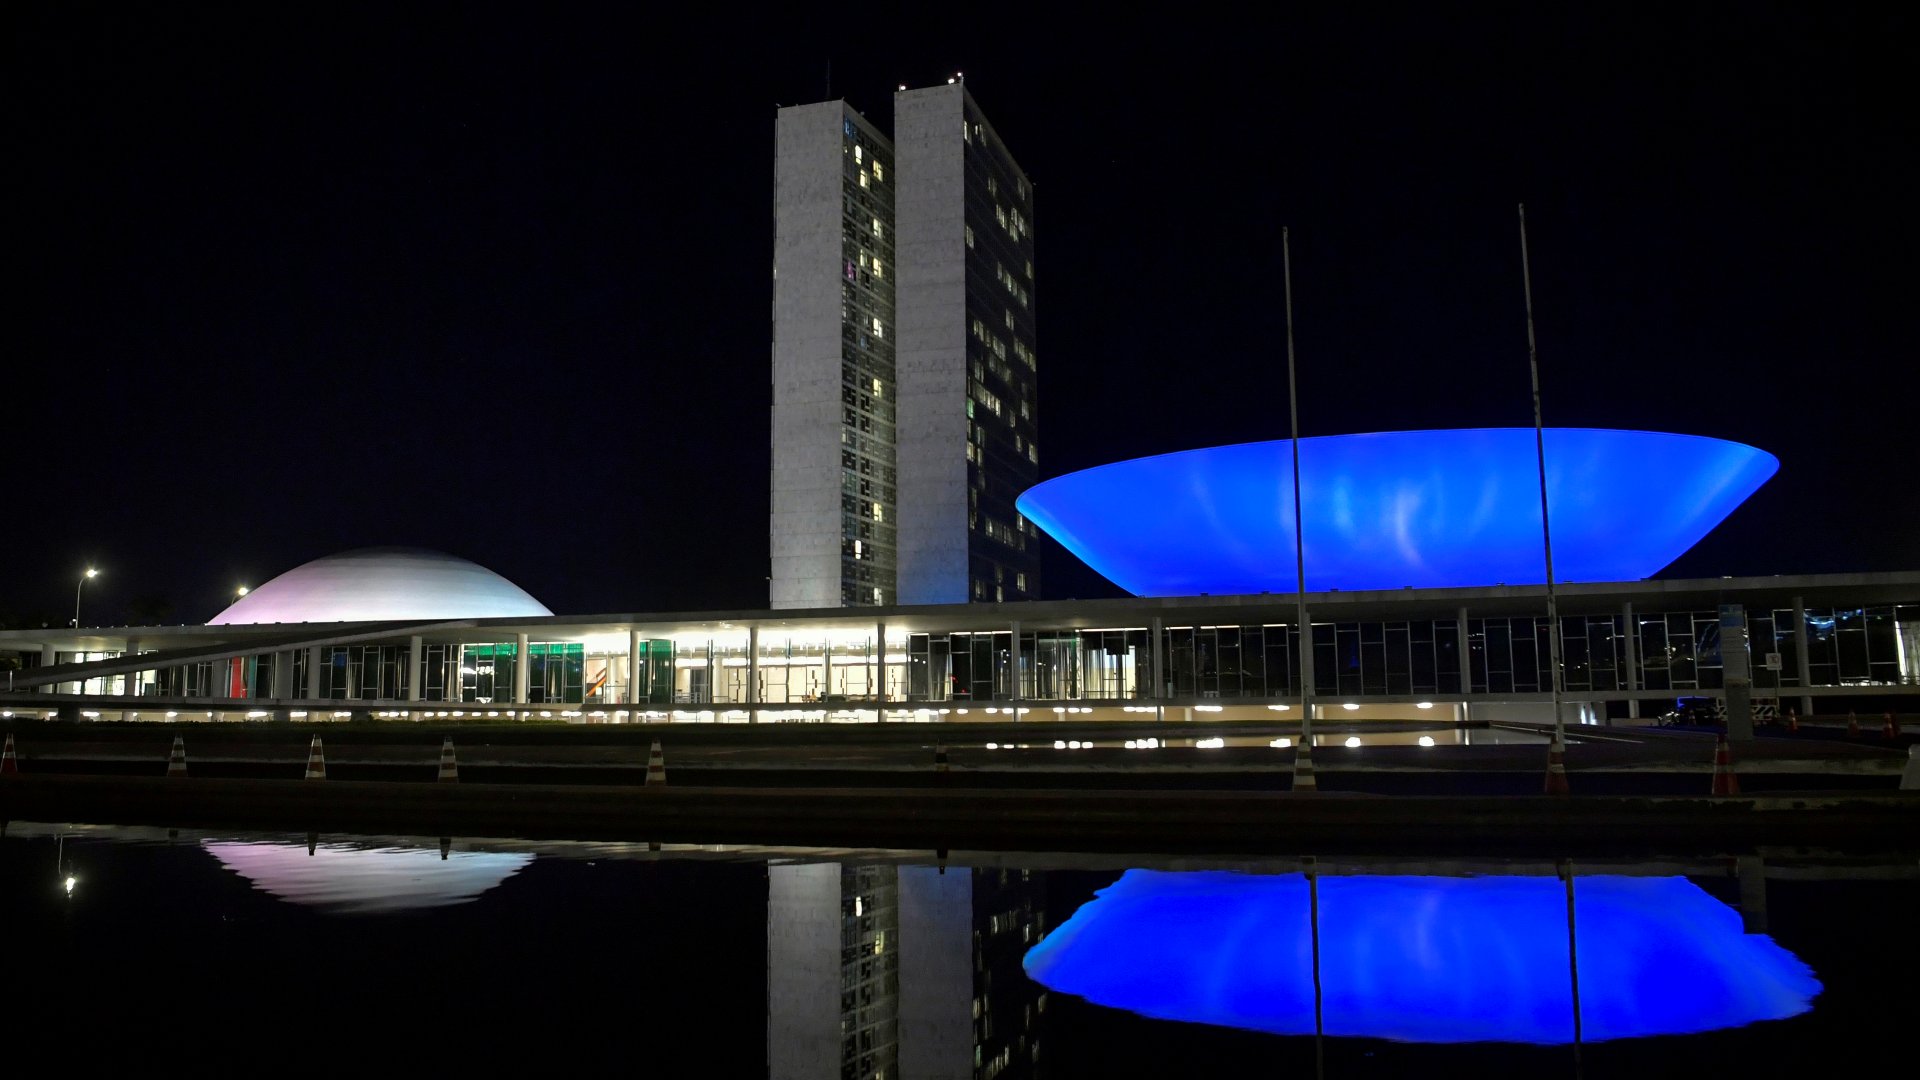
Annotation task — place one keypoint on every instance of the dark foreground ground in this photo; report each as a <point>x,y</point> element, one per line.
<point>947,814</point>
<point>1636,791</point>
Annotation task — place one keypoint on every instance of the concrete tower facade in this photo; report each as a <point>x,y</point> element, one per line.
<point>832,537</point>
<point>968,402</point>
<point>904,398</point>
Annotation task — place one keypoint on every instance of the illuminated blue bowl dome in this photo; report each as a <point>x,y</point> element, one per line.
<point>1426,509</point>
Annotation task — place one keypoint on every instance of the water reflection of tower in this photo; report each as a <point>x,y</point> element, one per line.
<point>832,971</point>
<point>1008,915</point>
<point>878,971</point>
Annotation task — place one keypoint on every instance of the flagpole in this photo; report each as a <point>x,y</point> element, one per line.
<point>1303,778</point>
<point>1540,456</point>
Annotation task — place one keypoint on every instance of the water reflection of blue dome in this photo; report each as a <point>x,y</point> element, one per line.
<point>1428,509</point>
<point>1423,959</point>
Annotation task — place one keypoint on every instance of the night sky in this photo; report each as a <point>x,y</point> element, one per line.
<point>496,280</point>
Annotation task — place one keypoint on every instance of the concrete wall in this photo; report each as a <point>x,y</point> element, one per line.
<point>804,526</point>
<point>936,973</point>
<point>803,971</point>
<point>931,353</point>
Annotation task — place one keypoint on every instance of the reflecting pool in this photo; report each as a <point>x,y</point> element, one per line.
<point>321,952</point>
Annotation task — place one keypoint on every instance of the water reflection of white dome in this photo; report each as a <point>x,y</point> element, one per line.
<point>345,880</point>
<point>383,583</point>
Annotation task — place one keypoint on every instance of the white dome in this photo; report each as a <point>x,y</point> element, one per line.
<point>383,583</point>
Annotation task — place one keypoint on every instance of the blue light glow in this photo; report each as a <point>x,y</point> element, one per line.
<point>1427,509</point>
<point>1423,959</point>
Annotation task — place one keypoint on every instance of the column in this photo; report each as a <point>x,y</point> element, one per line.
<point>1803,664</point>
<point>130,683</point>
<point>1310,710</point>
<point>454,681</point>
<point>281,688</point>
<point>633,671</point>
<point>1736,675</point>
<point>1158,687</point>
<point>1013,672</point>
<point>1466,668</point>
<point>753,672</point>
<point>880,670</point>
<point>1633,658</point>
<point>521,662</point>
<point>313,673</point>
<point>416,667</point>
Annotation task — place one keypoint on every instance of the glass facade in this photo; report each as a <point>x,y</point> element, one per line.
<point>869,504</point>
<point>841,673</point>
<point>1003,452</point>
<point>869,972</point>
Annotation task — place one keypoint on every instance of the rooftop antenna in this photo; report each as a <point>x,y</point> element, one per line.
<point>1303,779</point>
<point>1546,528</point>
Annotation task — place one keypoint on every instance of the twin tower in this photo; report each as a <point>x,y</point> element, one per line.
<point>904,405</point>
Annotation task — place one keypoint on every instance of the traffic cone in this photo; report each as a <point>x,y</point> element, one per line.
<point>177,760</point>
<point>1557,767</point>
<point>1725,782</point>
<point>1793,721</point>
<point>1853,725</point>
<point>316,761</point>
<point>1890,729</point>
<point>8,766</point>
<point>939,758</point>
<point>449,769</point>
<point>656,766</point>
<point>1304,782</point>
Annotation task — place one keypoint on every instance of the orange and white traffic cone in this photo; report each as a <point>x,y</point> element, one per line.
<point>1304,781</point>
<point>1793,721</point>
<point>1725,781</point>
<point>939,758</point>
<point>177,760</point>
<point>8,765</point>
<point>1557,768</point>
<point>656,766</point>
<point>1890,728</point>
<point>1853,725</point>
<point>449,768</point>
<point>316,761</point>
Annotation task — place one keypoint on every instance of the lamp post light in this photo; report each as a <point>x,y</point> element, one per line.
<point>240,592</point>
<point>91,573</point>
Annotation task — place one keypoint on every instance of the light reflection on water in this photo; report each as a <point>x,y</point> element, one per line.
<point>347,879</point>
<point>1423,959</point>
<point>801,962</point>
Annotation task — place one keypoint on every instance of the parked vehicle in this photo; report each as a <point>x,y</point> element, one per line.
<point>1692,712</point>
<point>1712,712</point>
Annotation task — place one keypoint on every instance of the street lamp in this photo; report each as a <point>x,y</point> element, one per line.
<point>91,573</point>
<point>241,591</point>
